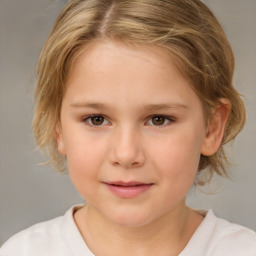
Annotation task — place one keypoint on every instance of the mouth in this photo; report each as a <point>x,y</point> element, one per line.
<point>128,189</point>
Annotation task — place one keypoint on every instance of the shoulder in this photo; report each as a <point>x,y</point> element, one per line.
<point>38,239</point>
<point>232,239</point>
<point>33,239</point>
<point>218,237</point>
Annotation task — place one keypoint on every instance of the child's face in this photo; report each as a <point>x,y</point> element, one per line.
<point>136,158</point>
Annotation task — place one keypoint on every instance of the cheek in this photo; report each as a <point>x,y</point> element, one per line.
<point>84,158</point>
<point>178,157</point>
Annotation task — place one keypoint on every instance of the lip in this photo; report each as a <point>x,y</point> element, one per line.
<point>127,190</point>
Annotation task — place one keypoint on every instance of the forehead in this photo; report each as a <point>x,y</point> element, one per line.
<point>102,53</point>
<point>118,73</point>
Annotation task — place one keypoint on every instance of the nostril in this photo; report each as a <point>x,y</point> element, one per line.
<point>127,152</point>
<point>116,163</point>
<point>128,165</point>
<point>135,164</point>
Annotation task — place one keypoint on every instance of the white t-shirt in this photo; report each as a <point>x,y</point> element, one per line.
<point>61,237</point>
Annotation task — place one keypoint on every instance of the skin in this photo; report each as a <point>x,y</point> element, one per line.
<point>150,129</point>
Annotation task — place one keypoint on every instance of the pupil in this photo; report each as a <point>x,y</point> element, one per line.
<point>158,120</point>
<point>97,120</point>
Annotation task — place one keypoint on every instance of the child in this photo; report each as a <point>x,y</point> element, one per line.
<point>137,98</point>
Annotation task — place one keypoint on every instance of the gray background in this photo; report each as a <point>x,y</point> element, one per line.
<point>30,193</point>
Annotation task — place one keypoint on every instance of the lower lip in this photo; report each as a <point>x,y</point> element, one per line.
<point>129,191</point>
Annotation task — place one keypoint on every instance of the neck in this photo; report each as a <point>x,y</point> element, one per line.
<point>167,235</point>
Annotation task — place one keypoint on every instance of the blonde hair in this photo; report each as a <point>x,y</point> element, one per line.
<point>186,28</point>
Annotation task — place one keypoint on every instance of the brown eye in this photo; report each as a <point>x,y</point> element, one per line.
<point>96,120</point>
<point>158,120</point>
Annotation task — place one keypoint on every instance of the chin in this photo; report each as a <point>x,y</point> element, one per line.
<point>131,219</point>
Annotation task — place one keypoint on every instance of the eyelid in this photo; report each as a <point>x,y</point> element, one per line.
<point>170,119</point>
<point>86,118</point>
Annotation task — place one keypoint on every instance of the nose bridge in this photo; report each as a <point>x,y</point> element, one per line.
<point>128,147</point>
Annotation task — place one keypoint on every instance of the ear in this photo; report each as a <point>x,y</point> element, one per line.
<point>216,127</point>
<point>59,139</point>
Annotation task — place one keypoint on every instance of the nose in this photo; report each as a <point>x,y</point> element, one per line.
<point>127,149</point>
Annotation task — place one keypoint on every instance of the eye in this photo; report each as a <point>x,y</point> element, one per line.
<point>160,120</point>
<point>96,120</point>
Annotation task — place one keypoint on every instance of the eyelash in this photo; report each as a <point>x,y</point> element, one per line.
<point>169,120</point>
<point>87,118</point>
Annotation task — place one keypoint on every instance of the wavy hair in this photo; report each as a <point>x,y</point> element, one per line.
<point>186,28</point>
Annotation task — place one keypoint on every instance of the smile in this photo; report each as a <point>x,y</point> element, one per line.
<point>128,189</point>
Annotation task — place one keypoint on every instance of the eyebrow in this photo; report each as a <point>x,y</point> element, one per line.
<point>167,106</point>
<point>147,107</point>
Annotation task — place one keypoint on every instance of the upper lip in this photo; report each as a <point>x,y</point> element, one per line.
<point>127,184</point>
